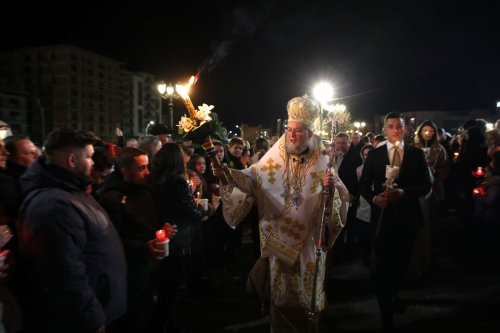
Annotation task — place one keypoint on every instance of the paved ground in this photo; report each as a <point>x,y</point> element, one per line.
<point>455,295</point>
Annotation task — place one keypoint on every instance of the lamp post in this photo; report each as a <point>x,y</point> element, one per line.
<point>323,92</point>
<point>168,92</point>
<point>151,122</point>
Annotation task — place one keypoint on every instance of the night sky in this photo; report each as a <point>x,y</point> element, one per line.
<point>256,55</point>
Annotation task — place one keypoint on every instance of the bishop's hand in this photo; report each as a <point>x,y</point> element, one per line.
<point>330,180</point>
<point>219,171</point>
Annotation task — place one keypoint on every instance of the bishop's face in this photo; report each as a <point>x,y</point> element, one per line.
<point>297,137</point>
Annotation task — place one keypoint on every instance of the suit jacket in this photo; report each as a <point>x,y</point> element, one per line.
<point>414,178</point>
<point>347,171</point>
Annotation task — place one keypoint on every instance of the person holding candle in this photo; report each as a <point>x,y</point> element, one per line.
<point>287,184</point>
<point>402,216</point>
<point>71,249</point>
<point>426,138</point>
<point>175,203</point>
<point>132,209</point>
<point>197,164</point>
<point>474,154</point>
<point>486,212</point>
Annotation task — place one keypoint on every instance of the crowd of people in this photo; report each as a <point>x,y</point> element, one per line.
<point>80,218</point>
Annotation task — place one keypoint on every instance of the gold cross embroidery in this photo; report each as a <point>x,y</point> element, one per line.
<point>292,228</point>
<point>317,178</point>
<point>271,167</point>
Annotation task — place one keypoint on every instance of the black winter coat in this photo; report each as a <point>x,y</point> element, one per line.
<point>176,205</point>
<point>132,210</point>
<point>71,250</point>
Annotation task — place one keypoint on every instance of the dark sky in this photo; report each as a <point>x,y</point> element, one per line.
<point>381,56</point>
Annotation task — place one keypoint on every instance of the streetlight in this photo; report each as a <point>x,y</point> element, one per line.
<point>151,122</point>
<point>239,128</point>
<point>359,125</point>
<point>168,92</point>
<point>322,92</point>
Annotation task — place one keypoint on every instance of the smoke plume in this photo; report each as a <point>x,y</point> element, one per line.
<point>246,20</point>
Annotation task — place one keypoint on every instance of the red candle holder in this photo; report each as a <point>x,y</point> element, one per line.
<point>479,172</point>
<point>162,243</point>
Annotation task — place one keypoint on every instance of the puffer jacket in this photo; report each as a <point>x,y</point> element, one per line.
<point>71,251</point>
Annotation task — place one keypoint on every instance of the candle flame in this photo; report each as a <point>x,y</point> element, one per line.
<point>397,144</point>
<point>160,235</point>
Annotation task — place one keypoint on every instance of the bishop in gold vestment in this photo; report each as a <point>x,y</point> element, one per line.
<point>287,185</point>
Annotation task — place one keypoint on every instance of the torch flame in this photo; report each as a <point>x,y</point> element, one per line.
<point>192,80</point>
<point>183,90</point>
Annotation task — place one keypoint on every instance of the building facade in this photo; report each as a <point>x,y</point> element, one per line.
<point>66,86</point>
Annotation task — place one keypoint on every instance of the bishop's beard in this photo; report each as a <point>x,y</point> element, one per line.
<point>295,148</point>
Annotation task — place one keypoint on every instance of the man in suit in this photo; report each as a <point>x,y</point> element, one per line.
<point>356,143</point>
<point>347,160</point>
<point>396,215</point>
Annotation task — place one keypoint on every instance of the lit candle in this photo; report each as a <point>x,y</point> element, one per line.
<point>160,235</point>
<point>396,147</point>
<point>455,156</point>
<point>479,191</point>
<point>479,172</point>
<point>426,138</point>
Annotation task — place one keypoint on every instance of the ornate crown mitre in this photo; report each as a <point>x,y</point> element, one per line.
<point>302,110</point>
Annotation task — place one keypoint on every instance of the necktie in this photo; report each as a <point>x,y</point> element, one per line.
<point>397,157</point>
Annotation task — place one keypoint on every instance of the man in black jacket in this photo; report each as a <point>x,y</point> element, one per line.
<point>396,212</point>
<point>22,154</point>
<point>71,249</point>
<point>347,160</point>
<point>132,210</point>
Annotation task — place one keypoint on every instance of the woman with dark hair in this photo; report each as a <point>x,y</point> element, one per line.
<point>175,204</point>
<point>198,164</point>
<point>426,138</point>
